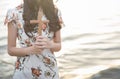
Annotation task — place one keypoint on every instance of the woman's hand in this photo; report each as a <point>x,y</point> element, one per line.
<point>43,42</point>
<point>36,47</point>
<point>40,44</point>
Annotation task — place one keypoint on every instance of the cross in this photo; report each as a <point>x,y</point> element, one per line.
<point>39,21</point>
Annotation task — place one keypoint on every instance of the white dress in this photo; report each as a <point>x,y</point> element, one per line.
<point>35,66</point>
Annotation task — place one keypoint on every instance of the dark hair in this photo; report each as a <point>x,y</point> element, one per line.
<point>30,12</point>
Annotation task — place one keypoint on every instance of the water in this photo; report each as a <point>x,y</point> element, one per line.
<point>90,38</point>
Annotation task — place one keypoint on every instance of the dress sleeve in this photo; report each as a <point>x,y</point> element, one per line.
<point>60,17</point>
<point>11,16</point>
<point>59,13</point>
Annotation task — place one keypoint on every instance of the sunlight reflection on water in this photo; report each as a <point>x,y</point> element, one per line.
<point>90,37</point>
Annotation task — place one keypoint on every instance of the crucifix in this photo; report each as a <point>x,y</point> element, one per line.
<point>39,21</point>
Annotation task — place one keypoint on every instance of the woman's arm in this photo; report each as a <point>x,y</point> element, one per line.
<point>56,43</point>
<point>12,49</point>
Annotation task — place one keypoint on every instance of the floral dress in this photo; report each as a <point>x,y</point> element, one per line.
<point>34,66</point>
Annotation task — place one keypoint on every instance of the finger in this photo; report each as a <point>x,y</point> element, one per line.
<point>39,40</point>
<point>40,37</point>
<point>37,44</point>
<point>38,47</point>
<point>41,47</point>
<point>41,43</point>
<point>44,39</point>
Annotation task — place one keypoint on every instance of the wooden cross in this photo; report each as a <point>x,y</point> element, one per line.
<point>39,21</point>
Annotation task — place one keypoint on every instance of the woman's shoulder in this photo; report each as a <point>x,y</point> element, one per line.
<point>12,14</point>
<point>58,10</point>
<point>15,9</point>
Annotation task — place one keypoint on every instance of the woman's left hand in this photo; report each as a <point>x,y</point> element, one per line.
<point>44,42</point>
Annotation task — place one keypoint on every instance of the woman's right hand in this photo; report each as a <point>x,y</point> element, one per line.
<point>36,47</point>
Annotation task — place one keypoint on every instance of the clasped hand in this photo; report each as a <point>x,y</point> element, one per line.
<point>42,43</point>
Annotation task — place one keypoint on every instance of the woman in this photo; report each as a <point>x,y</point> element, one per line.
<point>35,54</point>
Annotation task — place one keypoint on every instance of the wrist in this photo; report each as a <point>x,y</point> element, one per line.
<point>51,44</point>
<point>30,50</point>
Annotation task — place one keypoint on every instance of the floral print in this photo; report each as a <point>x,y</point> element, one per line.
<point>39,66</point>
<point>48,73</point>
<point>17,64</point>
<point>36,72</point>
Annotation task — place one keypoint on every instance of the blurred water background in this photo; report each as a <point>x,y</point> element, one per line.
<point>90,39</point>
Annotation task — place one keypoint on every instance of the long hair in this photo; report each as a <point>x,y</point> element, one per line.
<point>30,12</point>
